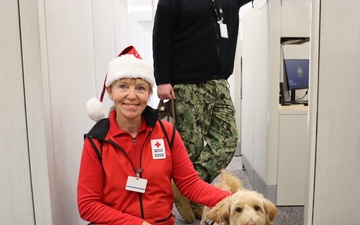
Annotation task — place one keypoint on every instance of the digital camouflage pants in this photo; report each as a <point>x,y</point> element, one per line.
<point>205,119</point>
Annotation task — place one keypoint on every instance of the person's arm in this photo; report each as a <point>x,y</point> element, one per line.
<point>89,193</point>
<point>188,181</point>
<point>163,35</point>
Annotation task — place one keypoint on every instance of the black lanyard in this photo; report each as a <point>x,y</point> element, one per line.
<point>219,13</point>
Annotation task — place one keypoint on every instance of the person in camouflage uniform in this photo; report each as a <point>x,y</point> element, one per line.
<point>194,44</point>
<point>205,119</point>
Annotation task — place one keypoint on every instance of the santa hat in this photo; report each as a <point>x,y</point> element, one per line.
<point>128,64</point>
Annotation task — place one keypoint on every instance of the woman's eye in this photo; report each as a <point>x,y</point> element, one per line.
<point>141,88</point>
<point>122,86</point>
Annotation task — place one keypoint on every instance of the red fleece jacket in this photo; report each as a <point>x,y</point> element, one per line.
<point>102,198</point>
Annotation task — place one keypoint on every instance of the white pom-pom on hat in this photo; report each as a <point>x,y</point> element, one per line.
<point>128,64</point>
<point>95,109</point>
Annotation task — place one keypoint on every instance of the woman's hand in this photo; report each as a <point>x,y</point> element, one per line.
<point>145,223</point>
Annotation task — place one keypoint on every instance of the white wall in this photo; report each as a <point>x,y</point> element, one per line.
<point>70,58</point>
<point>24,185</point>
<point>334,114</point>
<point>263,28</point>
<point>255,85</point>
<point>49,70</point>
<point>15,182</point>
<point>294,14</point>
<point>248,85</point>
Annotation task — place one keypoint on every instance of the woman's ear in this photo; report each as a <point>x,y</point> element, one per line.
<point>109,91</point>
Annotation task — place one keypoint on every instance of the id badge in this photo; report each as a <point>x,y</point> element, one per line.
<point>223,30</point>
<point>136,184</point>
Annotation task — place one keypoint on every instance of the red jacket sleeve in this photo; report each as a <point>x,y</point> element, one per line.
<point>89,193</point>
<point>188,181</point>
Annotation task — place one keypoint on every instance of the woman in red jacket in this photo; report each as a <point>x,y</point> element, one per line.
<point>130,158</point>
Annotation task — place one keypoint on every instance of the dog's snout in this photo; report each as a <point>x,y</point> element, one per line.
<point>251,223</point>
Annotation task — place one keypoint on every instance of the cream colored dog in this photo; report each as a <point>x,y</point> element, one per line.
<point>244,207</point>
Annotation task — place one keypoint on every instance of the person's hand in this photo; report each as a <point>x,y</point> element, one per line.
<point>145,223</point>
<point>165,91</point>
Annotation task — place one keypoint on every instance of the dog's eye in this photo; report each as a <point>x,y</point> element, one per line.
<point>257,208</point>
<point>238,209</point>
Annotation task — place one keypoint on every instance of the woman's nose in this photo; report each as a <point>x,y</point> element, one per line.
<point>131,94</point>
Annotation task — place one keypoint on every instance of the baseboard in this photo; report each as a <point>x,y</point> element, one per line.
<point>258,184</point>
<point>238,149</point>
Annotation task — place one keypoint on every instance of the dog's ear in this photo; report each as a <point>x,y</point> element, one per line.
<point>270,210</point>
<point>221,212</point>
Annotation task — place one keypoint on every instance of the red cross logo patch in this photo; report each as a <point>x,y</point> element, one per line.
<point>157,144</point>
<point>158,149</point>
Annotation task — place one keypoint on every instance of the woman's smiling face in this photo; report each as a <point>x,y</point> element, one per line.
<point>130,97</point>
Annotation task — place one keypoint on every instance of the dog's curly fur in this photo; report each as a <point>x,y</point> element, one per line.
<point>244,207</point>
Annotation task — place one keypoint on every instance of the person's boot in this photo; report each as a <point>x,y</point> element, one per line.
<point>183,205</point>
<point>197,209</point>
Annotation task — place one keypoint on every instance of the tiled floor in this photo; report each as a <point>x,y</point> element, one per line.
<point>286,215</point>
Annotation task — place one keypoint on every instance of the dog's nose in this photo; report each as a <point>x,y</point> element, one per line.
<point>251,223</point>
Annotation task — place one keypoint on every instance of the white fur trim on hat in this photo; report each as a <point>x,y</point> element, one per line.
<point>128,66</point>
<point>95,109</point>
